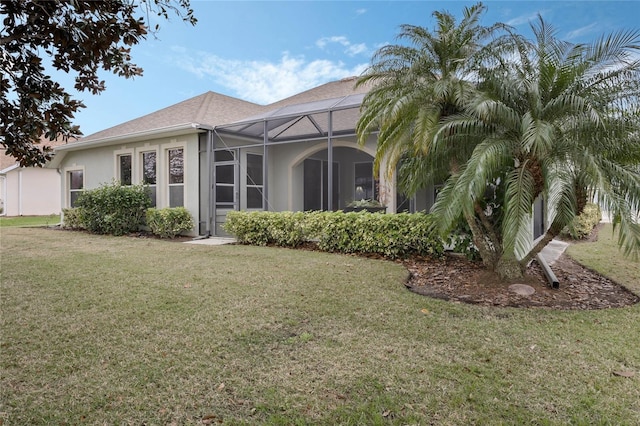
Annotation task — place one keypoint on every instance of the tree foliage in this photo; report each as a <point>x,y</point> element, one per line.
<point>530,118</point>
<point>77,37</point>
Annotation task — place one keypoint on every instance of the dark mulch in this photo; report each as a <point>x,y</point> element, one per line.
<point>455,278</point>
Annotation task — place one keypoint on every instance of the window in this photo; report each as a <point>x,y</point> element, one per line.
<point>76,186</point>
<point>225,178</point>
<point>124,167</point>
<point>225,183</point>
<point>364,183</point>
<point>254,181</point>
<point>222,156</point>
<point>149,160</point>
<point>176,177</point>
<point>316,185</point>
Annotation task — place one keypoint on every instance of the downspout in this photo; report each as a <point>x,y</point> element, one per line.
<point>212,187</point>
<point>20,192</point>
<point>265,186</point>
<point>209,130</point>
<point>330,165</point>
<point>551,277</point>
<point>210,181</point>
<point>61,196</point>
<point>4,194</point>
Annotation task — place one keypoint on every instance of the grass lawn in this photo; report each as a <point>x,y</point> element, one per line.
<point>604,257</point>
<point>104,330</point>
<point>29,220</point>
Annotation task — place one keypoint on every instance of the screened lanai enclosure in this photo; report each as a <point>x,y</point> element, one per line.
<point>296,158</point>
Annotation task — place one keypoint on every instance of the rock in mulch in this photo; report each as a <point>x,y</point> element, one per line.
<point>457,279</point>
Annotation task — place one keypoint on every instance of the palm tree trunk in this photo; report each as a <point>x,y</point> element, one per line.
<point>509,268</point>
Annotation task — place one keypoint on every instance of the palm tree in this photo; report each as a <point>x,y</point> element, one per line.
<point>557,120</point>
<point>414,86</point>
<point>506,122</point>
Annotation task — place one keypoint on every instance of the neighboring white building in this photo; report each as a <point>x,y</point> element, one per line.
<point>29,191</point>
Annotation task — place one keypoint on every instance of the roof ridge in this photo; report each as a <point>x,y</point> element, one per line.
<point>206,100</point>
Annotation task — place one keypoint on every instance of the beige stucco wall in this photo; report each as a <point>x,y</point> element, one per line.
<point>100,166</point>
<point>30,191</point>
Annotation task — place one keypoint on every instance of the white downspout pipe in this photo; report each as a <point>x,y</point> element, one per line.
<point>20,192</point>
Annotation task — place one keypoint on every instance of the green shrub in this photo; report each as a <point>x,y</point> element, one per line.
<point>113,208</point>
<point>583,224</point>
<point>392,236</point>
<point>460,240</point>
<point>169,222</point>
<point>71,219</point>
<point>260,228</point>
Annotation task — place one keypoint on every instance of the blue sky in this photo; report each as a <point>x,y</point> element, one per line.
<point>264,51</point>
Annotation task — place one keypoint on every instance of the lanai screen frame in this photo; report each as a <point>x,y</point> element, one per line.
<point>273,128</point>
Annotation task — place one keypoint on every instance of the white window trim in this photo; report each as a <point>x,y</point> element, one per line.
<point>163,176</point>
<point>138,174</point>
<point>67,182</point>
<point>116,163</point>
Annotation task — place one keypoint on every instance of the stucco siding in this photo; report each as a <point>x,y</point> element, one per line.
<point>100,166</point>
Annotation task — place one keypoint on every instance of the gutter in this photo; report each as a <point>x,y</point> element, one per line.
<point>128,137</point>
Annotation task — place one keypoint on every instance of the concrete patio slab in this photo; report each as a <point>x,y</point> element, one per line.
<point>212,241</point>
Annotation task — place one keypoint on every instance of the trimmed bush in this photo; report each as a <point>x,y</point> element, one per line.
<point>113,208</point>
<point>169,222</point>
<point>261,228</point>
<point>583,224</point>
<point>71,219</point>
<point>393,236</point>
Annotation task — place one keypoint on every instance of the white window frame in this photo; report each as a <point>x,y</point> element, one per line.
<point>67,177</point>
<point>170,185</point>
<point>140,152</point>
<point>117,171</point>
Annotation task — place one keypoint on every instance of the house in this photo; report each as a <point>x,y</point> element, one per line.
<point>28,191</point>
<point>214,153</point>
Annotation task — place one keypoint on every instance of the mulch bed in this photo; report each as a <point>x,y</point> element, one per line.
<point>456,279</point>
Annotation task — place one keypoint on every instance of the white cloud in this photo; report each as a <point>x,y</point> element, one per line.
<point>523,19</point>
<point>265,82</point>
<point>361,11</point>
<point>350,49</point>
<point>582,31</point>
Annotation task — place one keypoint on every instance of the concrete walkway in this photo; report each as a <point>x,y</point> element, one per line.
<point>553,250</point>
<point>212,241</point>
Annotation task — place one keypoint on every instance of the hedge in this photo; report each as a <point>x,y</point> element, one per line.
<point>71,219</point>
<point>583,224</point>
<point>113,208</point>
<point>392,236</point>
<point>169,222</point>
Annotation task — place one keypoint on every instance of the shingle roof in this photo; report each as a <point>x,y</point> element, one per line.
<point>209,108</point>
<point>334,89</point>
<point>215,109</point>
